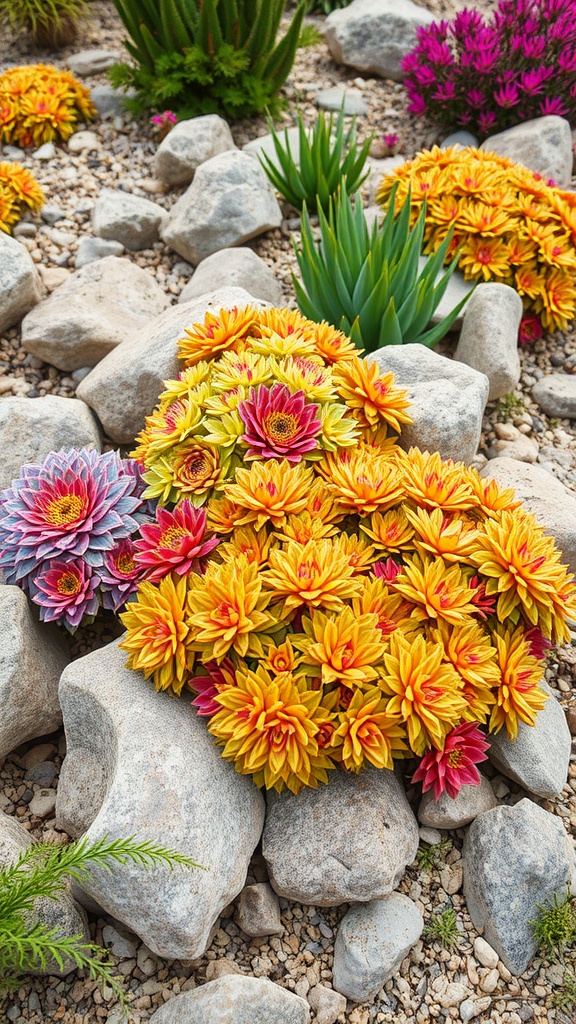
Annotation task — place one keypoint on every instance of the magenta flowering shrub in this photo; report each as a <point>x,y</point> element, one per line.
<point>489,74</point>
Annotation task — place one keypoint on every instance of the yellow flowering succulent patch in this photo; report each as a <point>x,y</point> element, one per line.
<point>40,103</point>
<point>19,191</point>
<point>356,603</point>
<point>508,223</point>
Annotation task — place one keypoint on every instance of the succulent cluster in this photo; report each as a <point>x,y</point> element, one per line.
<point>352,603</point>
<point>19,191</point>
<point>40,103</point>
<point>507,224</point>
<point>66,530</point>
<point>486,74</point>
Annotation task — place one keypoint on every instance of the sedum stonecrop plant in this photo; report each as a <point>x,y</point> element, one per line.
<point>207,56</point>
<point>40,103</point>
<point>366,281</point>
<point>487,74</point>
<point>363,604</point>
<point>40,873</point>
<point>329,159</point>
<point>506,222</point>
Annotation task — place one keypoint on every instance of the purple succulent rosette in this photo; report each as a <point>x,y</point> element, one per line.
<point>61,527</point>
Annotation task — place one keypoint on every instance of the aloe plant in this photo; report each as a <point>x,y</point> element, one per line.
<point>203,56</point>
<point>329,158</point>
<point>366,281</point>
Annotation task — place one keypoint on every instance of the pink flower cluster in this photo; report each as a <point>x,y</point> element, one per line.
<point>487,75</point>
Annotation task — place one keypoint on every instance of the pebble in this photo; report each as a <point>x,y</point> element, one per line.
<point>45,152</point>
<point>484,953</point>
<point>43,802</point>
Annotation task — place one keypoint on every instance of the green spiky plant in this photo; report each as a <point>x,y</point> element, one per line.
<point>41,872</point>
<point>430,856</point>
<point>443,928</point>
<point>326,6</point>
<point>366,281</point>
<point>50,23</point>
<point>555,926</point>
<point>329,159</point>
<point>206,56</point>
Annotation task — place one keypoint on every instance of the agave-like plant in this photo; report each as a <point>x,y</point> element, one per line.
<point>329,158</point>
<point>199,56</point>
<point>367,281</point>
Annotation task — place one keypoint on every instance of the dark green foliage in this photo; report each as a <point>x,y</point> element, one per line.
<point>51,23</point>
<point>41,872</point>
<point>555,926</point>
<point>329,159</point>
<point>206,56</point>
<point>366,281</point>
<point>325,6</point>
<point>444,929</point>
<point>429,857</point>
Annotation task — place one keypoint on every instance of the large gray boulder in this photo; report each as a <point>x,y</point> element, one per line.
<point>95,310</point>
<point>234,268</point>
<point>32,657</point>
<point>514,860</point>
<point>131,220</point>
<point>372,941</point>
<point>489,338</point>
<point>539,757</point>
<point>21,288</point>
<point>235,999</point>
<point>141,763</point>
<point>316,851</point>
<point>189,144</point>
<point>544,496</point>
<point>448,812</point>
<point>229,202</point>
<point>32,427</point>
<point>124,388</point>
<point>62,913</point>
<point>447,399</point>
<point>374,35</point>
<point>544,145</point>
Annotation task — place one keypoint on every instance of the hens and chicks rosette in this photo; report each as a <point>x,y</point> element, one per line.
<point>359,603</point>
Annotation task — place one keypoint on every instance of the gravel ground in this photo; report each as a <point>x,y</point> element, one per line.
<point>432,981</point>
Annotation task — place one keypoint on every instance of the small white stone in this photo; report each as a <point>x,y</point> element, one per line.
<point>45,152</point>
<point>83,140</point>
<point>484,953</point>
<point>43,802</point>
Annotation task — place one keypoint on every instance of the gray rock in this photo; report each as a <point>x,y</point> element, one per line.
<point>489,337</point>
<point>448,400</point>
<point>317,854</point>
<point>91,249</point>
<point>234,268</point>
<point>556,395</point>
<point>446,812</point>
<point>514,858</point>
<point>91,62</point>
<point>30,428</point>
<point>141,763</point>
<point>45,152</point>
<point>42,774</point>
<point>124,388</point>
<point>462,139</point>
<point>52,214</point>
<point>544,496</point>
<point>133,221</point>
<point>43,802</point>
<point>108,100</point>
<point>523,449</point>
<point>327,1004</point>
<point>229,202</point>
<point>85,140</point>
<point>258,911</point>
<point>332,99</point>
<point>235,999</point>
<point>121,943</point>
<point>539,758</point>
<point>61,913</point>
<point>544,145</point>
<point>21,287</point>
<point>372,941</point>
<point>374,35</point>
<point>189,144</point>
<point>32,658</point>
<point>95,310</point>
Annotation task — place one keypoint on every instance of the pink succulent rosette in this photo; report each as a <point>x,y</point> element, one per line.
<point>177,542</point>
<point>449,769</point>
<point>67,591</point>
<point>279,424</point>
